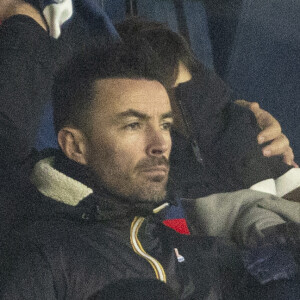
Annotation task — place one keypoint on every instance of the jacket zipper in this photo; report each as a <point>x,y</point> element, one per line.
<point>137,247</point>
<point>191,132</point>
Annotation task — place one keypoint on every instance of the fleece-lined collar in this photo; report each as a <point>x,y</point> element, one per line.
<point>56,185</point>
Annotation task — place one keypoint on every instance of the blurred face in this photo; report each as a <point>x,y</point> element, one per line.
<point>184,74</point>
<point>130,143</point>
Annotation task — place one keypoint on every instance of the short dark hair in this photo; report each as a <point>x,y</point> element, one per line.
<point>73,89</point>
<point>170,46</point>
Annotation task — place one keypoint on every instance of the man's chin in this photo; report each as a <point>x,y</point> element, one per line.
<point>152,198</point>
<point>151,192</point>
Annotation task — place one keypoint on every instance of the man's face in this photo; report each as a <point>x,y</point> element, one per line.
<point>130,143</point>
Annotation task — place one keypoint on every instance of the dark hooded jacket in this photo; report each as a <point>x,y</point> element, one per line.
<point>221,153</point>
<point>72,240</point>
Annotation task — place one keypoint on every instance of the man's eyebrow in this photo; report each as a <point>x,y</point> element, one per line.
<point>132,113</point>
<point>167,115</point>
<point>140,115</point>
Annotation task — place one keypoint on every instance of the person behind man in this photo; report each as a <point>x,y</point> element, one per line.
<point>93,212</point>
<point>214,142</point>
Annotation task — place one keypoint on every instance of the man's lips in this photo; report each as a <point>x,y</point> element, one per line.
<point>157,170</point>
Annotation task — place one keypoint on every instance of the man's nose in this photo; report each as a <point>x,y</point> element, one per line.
<point>158,142</point>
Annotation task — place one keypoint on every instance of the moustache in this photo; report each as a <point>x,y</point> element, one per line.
<point>152,162</point>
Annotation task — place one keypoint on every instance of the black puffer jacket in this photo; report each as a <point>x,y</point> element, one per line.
<point>71,246</point>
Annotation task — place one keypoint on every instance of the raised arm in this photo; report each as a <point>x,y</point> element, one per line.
<point>25,72</point>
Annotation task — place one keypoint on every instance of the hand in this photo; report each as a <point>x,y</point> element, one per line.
<point>271,131</point>
<point>10,8</point>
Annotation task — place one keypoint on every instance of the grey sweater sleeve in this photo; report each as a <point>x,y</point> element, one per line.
<point>239,216</point>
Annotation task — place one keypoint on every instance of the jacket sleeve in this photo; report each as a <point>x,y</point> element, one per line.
<point>25,73</point>
<point>238,155</point>
<point>25,273</point>
<point>286,186</point>
<point>240,216</point>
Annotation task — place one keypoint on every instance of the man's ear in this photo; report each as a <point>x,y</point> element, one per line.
<point>73,143</point>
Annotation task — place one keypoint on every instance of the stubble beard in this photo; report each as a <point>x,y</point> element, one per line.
<point>151,192</point>
<point>141,187</point>
<point>144,189</point>
<point>151,188</point>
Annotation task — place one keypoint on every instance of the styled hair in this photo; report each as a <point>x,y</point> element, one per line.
<point>73,89</point>
<point>169,46</point>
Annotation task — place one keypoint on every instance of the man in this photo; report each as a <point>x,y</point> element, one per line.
<point>92,214</point>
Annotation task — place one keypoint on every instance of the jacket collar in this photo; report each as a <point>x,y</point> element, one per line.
<point>67,182</point>
<point>56,185</point>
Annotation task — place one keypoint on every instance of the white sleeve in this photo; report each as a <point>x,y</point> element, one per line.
<point>265,186</point>
<point>288,182</point>
<point>280,186</point>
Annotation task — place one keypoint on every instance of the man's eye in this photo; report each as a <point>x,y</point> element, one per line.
<point>166,126</point>
<point>133,126</point>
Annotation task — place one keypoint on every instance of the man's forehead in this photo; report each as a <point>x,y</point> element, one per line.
<point>125,93</point>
